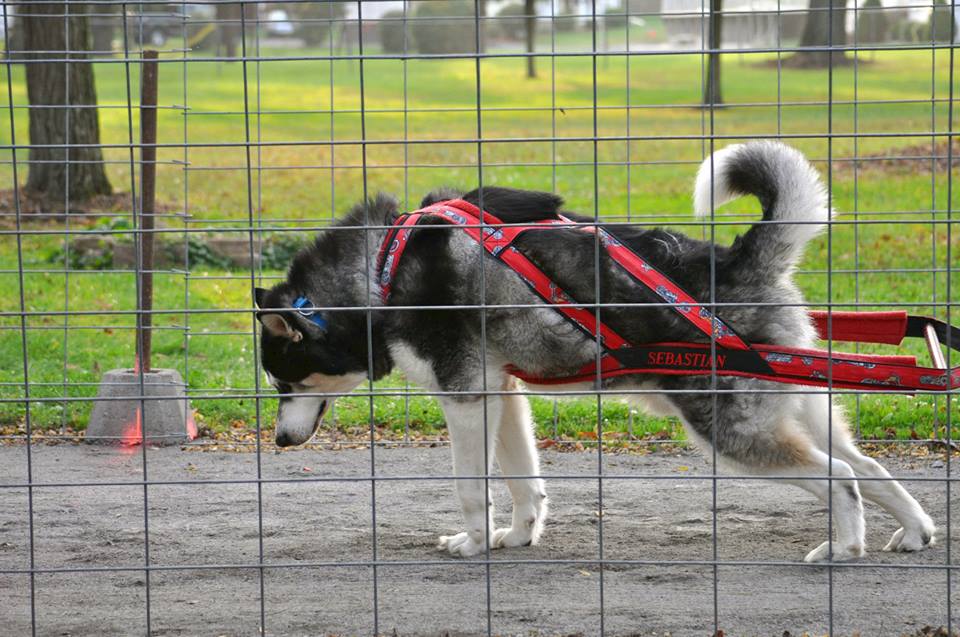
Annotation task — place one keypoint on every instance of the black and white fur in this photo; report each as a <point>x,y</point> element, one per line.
<point>441,349</point>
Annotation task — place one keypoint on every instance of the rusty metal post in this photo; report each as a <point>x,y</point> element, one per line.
<point>143,405</point>
<point>148,181</point>
<point>712,95</point>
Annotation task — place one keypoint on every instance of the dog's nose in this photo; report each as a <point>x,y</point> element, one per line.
<point>284,439</point>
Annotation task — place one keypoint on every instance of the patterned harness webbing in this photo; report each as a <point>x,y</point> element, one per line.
<point>727,355</point>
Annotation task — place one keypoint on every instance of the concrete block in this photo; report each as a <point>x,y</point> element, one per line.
<point>116,417</point>
<point>167,254</point>
<point>237,251</point>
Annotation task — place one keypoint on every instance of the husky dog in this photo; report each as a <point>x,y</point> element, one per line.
<point>312,357</point>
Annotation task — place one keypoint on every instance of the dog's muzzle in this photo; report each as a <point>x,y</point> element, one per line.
<point>285,440</point>
<point>288,435</point>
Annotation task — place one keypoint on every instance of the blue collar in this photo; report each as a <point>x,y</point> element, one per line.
<point>312,315</point>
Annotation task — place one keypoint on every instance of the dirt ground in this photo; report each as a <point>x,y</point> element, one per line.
<point>318,540</point>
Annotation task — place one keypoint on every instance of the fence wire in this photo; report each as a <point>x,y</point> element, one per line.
<point>276,117</point>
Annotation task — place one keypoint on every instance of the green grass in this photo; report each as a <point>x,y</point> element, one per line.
<point>289,192</point>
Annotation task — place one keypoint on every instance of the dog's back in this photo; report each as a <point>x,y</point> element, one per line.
<point>510,205</point>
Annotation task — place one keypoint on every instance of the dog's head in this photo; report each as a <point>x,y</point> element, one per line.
<point>312,355</point>
<point>309,357</point>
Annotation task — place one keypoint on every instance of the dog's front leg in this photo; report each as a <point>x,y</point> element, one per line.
<point>517,456</point>
<point>473,430</point>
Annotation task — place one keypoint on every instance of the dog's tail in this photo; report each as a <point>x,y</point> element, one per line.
<point>792,196</point>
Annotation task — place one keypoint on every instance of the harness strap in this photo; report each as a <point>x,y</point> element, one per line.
<point>496,241</point>
<point>664,287</point>
<point>392,248</point>
<point>795,366</point>
<point>728,355</point>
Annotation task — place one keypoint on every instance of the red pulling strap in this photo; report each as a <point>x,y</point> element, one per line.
<point>861,327</point>
<point>794,366</point>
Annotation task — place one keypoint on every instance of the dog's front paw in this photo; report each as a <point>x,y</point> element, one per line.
<point>527,525</point>
<point>914,539</point>
<point>462,544</point>
<point>840,553</point>
<point>509,538</point>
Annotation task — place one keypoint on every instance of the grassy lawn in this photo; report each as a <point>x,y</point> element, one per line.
<point>307,166</point>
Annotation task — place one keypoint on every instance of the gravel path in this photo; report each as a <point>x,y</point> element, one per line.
<point>317,538</point>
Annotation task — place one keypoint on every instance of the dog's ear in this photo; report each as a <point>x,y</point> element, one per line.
<point>382,209</point>
<point>277,325</point>
<point>440,194</point>
<point>259,297</point>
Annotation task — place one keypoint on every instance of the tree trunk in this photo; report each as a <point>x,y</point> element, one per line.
<point>530,11</point>
<point>823,28</point>
<point>711,92</point>
<point>230,29</point>
<point>57,115</point>
<point>482,27</point>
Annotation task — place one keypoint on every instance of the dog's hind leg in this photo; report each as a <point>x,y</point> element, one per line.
<point>755,433</point>
<point>833,481</point>
<point>517,456</point>
<point>794,458</point>
<point>468,419</point>
<point>916,527</point>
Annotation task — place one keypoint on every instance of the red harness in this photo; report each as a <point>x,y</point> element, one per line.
<point>731,356</point>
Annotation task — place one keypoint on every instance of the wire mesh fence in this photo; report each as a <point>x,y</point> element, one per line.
<point>272,120</point>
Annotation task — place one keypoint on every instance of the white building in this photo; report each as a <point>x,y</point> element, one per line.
<point>373,10</point>
<point>760,23</point>
<point>956,20</point>
<point>747,23</point>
